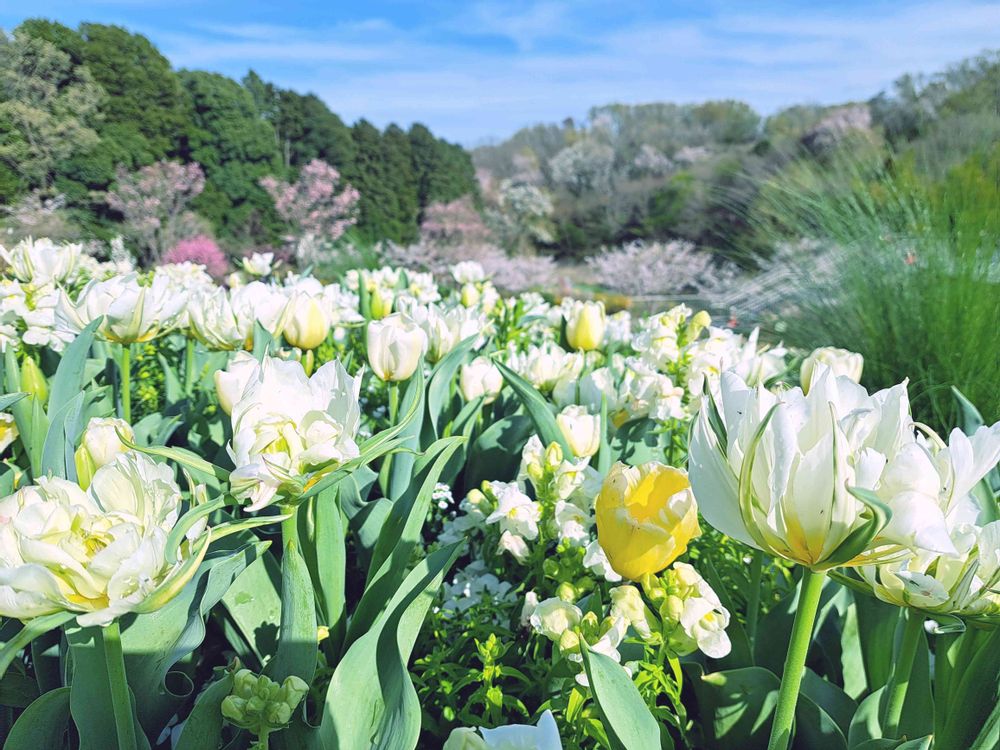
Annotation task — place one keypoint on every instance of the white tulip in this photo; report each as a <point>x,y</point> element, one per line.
<point>480,378</point>
<point>807,451</point>
<point>468,272</point>
<point>839,361</point>
<point>131,312</point>
<point>42,262</point>
<point>581,430</point>
<point>308,322</point>
<point>289,430</point>
<point>262,303</point>
<point>232,382</point>
<point>100,445</point>
<point>585,324</point>
<point>395,347</point>
<point>259,264</point>
<point>99,553</point>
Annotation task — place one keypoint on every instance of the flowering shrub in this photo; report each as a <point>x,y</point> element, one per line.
<point>398,512</point>
<point>315,206</point>
<point>201,251</point>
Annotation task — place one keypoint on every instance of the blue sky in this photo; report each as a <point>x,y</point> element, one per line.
<point>479,70</point>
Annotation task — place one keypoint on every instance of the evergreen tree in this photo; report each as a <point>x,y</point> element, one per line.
<point>402,182</point>
<point>236,147</point>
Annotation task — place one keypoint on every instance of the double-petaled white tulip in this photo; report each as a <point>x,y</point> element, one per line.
<point>290,429</point>
<point>232,382</point>
<point>100,552</point>
<point>966,583</point>
<point>445,327</point>
<point>41,262</point>
<point>840,361</point>
<point>100,444</point>
<point>131,311</point>
<point>395,347</point>
<point>804,477</point>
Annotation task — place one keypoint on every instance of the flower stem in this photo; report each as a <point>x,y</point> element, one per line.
<point>121,701</point>
<point>393,414</point>
<point>753,602</point>
<point>810,589</point>
<point>899,680</point>
<point>290,528</point>
<point>189,366</point>
<point>126,382</point>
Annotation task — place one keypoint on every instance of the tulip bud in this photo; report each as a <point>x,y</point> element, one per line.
<point>581,430</point>
<point>395,347</point>
<point>308,324</point>
<point>585,325</point>
<point>382,301</point>
<point>232,382</point>
<point>841,362</point>
<point>99,446</point>
<point>470,295</point>
<point>646,515</point>
<point>465,738</point>
<point>480,378</point>
<point>33,381</point>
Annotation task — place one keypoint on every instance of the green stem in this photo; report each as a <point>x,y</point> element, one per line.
<point>290,527</point>
<point>126,382</point>
<point>810,589</point>
<point>393,414</point>
<point>262,743</point>
<point>189,366</point>
<point>753,602</point>
<point>899,680</point>
<point>121,701</point>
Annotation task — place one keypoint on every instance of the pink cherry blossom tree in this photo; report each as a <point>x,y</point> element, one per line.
<point>454,223</point>
<point>154,203</point>
<point>317,210</point>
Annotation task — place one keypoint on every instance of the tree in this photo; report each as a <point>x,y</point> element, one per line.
<point>236,147</point>
<point>444,171</point>
<point>377,207</point>
<point>315,207</point>
<point>48,107</point>
<point>402,181</point>
<point>154,203</point>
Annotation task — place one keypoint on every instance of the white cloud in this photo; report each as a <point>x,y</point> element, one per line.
<point>498,66</point>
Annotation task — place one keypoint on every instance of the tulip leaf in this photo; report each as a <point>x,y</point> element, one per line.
<point>439,389</point>
<point>203,726</point>
<point>400,536</point>
<point>264,344</point>
<point>32,629</point>
<point>43,724</point>
<point>202,469</point>
<point>626,718</point>
<point>90,699</point>
<point>413,406</point>
<point>464,425</point>
<point>9,399</point>
<point>68,382</point>
<point>538,409</point>
<point>497,450</point>
<point>604,457</point>
<point>371,702</point>
<point>973,691</point>
<point>17,689</point>
<point>64,426</point>
<point>326,556</point>
<point>253,602</point>
<point>737,705</point>
<point>155,641</point>
<point>296,653</point>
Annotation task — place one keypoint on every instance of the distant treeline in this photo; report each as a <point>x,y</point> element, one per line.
<point>76,105</point>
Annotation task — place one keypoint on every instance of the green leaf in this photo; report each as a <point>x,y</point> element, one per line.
<point>43,724</point>
<point>627,720</point>
<point>439,388</point>
<point>154,642</point>
<point>824,713</point>
<point>69,380</point>
<point>371,702</point>
<point>497,451</point>
<point>400,536</point>
<point>17,690</point>
<point>413,406</point>
<point>737,706</point>
<point>253,602</point>
<point>31,630</point>
<point>326,556</point>
<point>216,476</point>
<point>538,409</point>
<point>203,727</point>
<point>974,690</point>
<point>604,452</point>
<point>58,452</point>
<point>9,399</point>
<point>90,695</point>
<point>297,646</point>
<point>264,344</point>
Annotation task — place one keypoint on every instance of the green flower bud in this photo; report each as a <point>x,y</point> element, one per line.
<point>33,381</point>
<point>566,592</point>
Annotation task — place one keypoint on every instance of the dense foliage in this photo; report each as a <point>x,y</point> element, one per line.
<point>79,107</point>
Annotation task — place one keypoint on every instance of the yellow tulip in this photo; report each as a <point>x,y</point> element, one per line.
<point>646,515</point>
